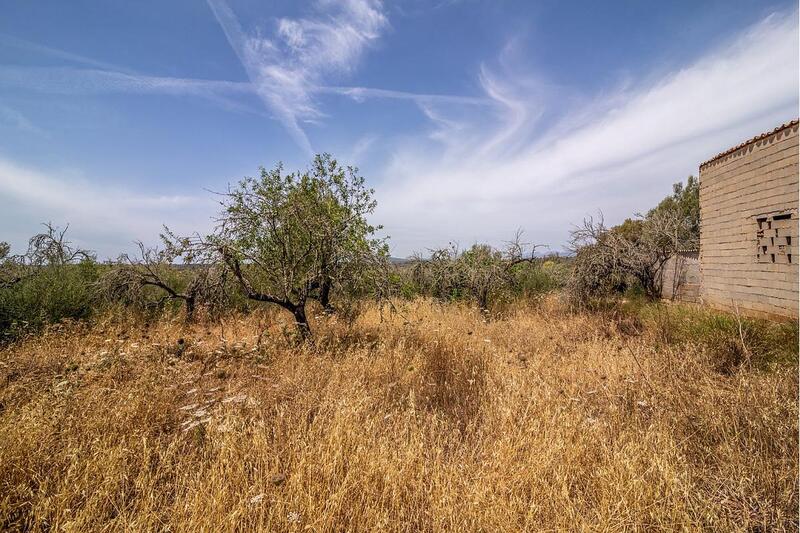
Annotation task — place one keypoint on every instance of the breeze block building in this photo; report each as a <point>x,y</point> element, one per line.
<point>748,254</point>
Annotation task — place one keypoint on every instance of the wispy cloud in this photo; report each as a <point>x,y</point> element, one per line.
<point>619,152</point>
<point>522,153</point>
<point>75,81</point>
<point>286,67</point>
<point>70,57</point>
<point>287,70</point>
<point>19,121</point>
<point>72,80</point>
<point>359,94</point>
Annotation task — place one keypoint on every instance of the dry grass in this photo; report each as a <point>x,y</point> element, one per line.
<point>435,420</point>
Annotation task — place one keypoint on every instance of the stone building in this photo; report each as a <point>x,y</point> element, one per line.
<point>749,226</point>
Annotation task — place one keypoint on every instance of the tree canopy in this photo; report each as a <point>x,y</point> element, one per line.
<point>288,238</point>
<point>609,259</point>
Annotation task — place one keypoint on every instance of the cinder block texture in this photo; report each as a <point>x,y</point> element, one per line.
<point>749,226</point>
<point>681,277</point>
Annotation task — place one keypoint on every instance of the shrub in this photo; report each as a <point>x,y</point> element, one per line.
<point>612,259</point>
<point>152,280</point>
<point>52,281</point>
<point>484,274</point>
<point>544,276</point>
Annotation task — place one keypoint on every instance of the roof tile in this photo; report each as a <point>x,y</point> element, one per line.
<point>751,141</point>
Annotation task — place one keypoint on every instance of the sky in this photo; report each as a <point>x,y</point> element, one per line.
<point>470,119</point>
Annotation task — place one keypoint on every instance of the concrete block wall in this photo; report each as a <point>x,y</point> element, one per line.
<point>749,226</point>
<point>681,278</point>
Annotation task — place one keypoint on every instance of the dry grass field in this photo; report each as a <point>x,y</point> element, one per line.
<point>429,420</point>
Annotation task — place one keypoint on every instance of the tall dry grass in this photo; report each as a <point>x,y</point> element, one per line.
<point>433,420</point>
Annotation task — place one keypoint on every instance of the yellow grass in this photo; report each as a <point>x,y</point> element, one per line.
<point>434,420</point>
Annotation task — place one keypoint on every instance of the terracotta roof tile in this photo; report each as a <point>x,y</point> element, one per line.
<point>750,141</point>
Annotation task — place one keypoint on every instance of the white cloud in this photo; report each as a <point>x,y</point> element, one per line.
<point>286,68</point>
<point>359,94</point>
<point>320,49</point>
<point>70,57</point>
<point>69,80</point>
<point>104,219</point>
<point>360,148</point>
<point>484,167</point>
<point>228,94</point>
<point>618,153</point>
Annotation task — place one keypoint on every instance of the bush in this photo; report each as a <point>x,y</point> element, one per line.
<point>52,281</point>
<point>542,277</point>
<point>610,260</point>
<point>483,274</point>
<point>49,295</point>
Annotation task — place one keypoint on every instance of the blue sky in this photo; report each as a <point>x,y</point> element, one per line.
<point>470,119</point>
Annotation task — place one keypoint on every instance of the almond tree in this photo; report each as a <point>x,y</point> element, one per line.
<point>168,272</point>
<point>480,272</point>
<point>289,238</point>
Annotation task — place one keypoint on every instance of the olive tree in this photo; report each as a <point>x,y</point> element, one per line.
<point>291,237</point>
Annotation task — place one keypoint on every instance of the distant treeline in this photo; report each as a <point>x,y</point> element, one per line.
<point>299,239</point>
<point>281,239</point>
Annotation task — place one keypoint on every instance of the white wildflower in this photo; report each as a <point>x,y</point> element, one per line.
<point>190,425</point>
<point>239,398</point>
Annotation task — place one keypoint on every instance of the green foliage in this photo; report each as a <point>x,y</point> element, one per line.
<point>402,283</point>
<point>631,229</point>
<point>49,283</point>
<point>546,275</point>
<point>482,274</point>
<point>730,342</point>
<point>282,238</point>
<point>633,254</point>
<point>153,280</point>
<point>685,200</point>
<point>290,237</point>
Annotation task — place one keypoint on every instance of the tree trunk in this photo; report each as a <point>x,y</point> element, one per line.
<point>299,312</point>
<point>325,296</point>
<point>483,299</point>
<point>190,309</point>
